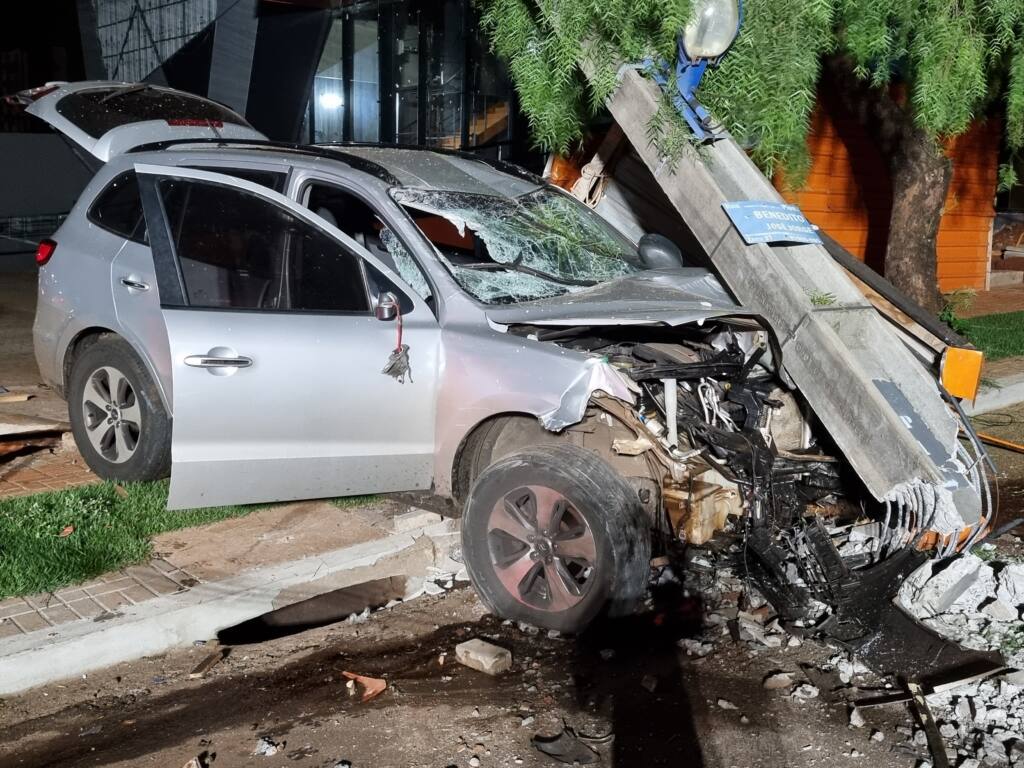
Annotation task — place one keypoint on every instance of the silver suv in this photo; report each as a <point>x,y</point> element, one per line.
<point>334,320</point>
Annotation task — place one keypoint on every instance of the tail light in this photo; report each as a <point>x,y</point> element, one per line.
<point>44,251</point>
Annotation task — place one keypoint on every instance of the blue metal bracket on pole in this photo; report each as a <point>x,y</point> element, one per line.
<point>688,77</point>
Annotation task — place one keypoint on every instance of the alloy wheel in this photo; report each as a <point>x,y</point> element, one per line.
<point>113,417</point>
<point>542,549</point>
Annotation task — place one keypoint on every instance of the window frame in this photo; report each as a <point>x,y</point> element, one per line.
<point>302,195</point>
<point>171,279</point>
<point>135,236</point>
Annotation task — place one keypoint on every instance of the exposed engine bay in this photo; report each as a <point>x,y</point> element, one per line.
<point>725,456</point>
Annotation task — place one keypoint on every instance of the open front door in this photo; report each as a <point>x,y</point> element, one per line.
<point>277,352</point>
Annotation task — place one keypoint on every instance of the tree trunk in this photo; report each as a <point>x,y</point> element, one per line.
<point>921,174</point>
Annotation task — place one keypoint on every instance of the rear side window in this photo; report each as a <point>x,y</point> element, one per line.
<point>118,208</point>
<point>239,251</point>
<point>103,109</point>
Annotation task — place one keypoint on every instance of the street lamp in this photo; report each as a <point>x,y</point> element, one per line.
<point>712,30</point>
<point>705,39</point>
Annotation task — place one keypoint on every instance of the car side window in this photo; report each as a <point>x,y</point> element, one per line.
<point>237,250</point>
<point>360,222</point>
<point>118,208</point>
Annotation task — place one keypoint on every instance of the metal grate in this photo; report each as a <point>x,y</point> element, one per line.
<point>30,229</point>
<point>137,36</point>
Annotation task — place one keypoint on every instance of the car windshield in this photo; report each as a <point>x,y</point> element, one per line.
<point>505,250</point>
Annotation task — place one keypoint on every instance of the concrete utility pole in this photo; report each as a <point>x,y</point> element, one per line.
<point>876,399</point>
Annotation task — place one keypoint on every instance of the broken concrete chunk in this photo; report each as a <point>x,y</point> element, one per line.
<point>1011,584</point>
<point>726,704</point>
<point>266,747</point>
<point>805,691</point>
<point>856,718</point>
<point>778,681</point>
<point>1000,610</point>
<point>484,657</point>
<point>964,582</point>
<point>695,647</point>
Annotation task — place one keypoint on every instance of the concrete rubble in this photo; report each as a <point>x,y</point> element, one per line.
<point>976,600</point>
<point>483,656</point>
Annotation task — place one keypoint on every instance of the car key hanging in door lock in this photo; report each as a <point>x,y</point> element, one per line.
<point>397,365</point>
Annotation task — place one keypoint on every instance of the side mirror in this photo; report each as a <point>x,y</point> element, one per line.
<point>658,252</point>
<point>387,306</point>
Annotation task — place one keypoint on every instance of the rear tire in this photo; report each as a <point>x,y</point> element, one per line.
<point>553,537</point>
<point>117,417</point>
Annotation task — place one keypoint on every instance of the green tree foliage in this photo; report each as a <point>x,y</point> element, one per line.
<point>954,58</point>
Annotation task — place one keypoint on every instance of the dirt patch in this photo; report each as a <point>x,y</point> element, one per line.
<point>630,678</point>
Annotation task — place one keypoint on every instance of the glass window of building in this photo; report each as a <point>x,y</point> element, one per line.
<point>411,72</point>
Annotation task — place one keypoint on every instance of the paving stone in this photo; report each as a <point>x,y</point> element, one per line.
<point>13,607</point>
<point>114,582</point>
<point>71,594</point>
<point>152,579</point>
<point>8,629</point>
<point>86,607</point>
<point>30,622</point>
<point>137,593</point>
<point>112,601</point>
<point>59,614</point>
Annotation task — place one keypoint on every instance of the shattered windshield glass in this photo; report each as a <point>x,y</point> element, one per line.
<point>504,250</point>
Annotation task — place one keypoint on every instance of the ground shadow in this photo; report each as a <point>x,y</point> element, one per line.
<point>618,662</point>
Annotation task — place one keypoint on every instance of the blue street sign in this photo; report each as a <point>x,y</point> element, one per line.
<point>765,222</point>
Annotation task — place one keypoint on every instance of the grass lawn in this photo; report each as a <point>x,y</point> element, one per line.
<point>50,540</point>
<point>997,336</point>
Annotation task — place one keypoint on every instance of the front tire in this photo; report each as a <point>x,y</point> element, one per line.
<point>553,537</point>
<point>117,418</point>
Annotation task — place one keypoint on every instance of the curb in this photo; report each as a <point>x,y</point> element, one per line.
<point>1009,391</point>
<point>157,625</point>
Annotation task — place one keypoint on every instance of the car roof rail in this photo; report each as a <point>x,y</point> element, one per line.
<point>376,170</point>
<point>358,163</point>
<point>499,165</point>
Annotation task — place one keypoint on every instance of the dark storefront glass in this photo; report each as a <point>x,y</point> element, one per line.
<point>411,72</point>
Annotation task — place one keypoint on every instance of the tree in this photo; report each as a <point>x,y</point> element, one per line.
<point>916,73</point>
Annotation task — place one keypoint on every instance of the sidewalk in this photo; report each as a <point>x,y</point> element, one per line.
<point>997,300</point>
<point>45,470</point>
<point>203,580</point>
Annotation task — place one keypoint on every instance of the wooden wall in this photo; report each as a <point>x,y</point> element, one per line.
<point>847,193</point>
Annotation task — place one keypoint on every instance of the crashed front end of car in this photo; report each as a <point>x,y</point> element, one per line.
<point>689,393</point>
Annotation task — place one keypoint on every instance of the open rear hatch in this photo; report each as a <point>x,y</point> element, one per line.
<point>108,118</point>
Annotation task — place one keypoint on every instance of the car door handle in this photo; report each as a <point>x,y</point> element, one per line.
<point>210,361</point>
<point>135,285</point>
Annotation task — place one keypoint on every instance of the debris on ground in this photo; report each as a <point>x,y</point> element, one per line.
<point>778,681</point>
<point>266,747</point>
<point>372,686</point>
<point>571,747</point>
<point>976,600</point>
<point>973,600</point>
<point>208,663</point>
<point>484,657</point>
